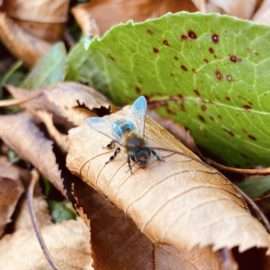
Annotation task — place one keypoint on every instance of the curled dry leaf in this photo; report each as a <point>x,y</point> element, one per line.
<point>27,28</point>
<point>66,101</point>
<point>22,44</point>
<point>180,202</point>
<point>109,13</point>
<point>21,134</point>
<point>118,244</point>
<point>11,190</point>
<point>68,242</point>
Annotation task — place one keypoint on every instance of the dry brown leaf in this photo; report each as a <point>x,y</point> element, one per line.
<point>27,28</point>
<point>68,243</point>
<point>67,100</point>
<point>21,134</point>
<point>263,13</point>
<point>45,11</point>
<point>118,244</point>
<point>22,44</point>
<point>239,8</point>
<point>180,202</point>
<point>107,12</point>
<point>11,190</point>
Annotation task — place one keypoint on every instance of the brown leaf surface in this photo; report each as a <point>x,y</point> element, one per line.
<point>67,100</point>
<point>22,44</point>
<point>68,243</point>
<point>45,11</point>
<point>118,244</point>
<point>263,13</point>
<point>180,202</point>
<point>107,12</point>
<point>21,134</point>
<point>11,190</point>
<point>27,28</point>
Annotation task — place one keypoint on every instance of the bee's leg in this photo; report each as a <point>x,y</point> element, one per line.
<point>111,145</point>
<point>116,152</point>
<point>129,163</point>
<point>156,155</point>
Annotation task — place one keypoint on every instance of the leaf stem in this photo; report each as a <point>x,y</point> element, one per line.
<point>30,191</point>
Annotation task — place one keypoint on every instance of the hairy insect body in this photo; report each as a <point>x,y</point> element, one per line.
<point>136,149</point>
<point>128,133</point>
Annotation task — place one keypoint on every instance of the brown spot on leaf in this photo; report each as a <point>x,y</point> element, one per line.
<point>247,107</point>
<point>149,31</point>
<point>205,61</point>
<point>184,37</point>
<point>192,34</point>
<point>184,68</point>
<point>166,42</point>
<point>252,137</point>
<point>211,50</point>
<point>138,89</point>
<point>201,118</point>
<point>196,92</point>
<point>203,107</point>
<point>229,132</point>
<point>211,118</point>
<point>234,58</point>
<point>215,38</point>
<point>228,98</point>
<point>155,50</point>
<point>111,57</point>
<point>219,75</point>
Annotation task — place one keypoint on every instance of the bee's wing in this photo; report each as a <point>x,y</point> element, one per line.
<point>137,114</point>
<point>102,125</point>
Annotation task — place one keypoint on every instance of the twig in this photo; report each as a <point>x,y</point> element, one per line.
<point>255,171</point>
<point>30,191</point>
<point>17,101</point>
<point>256,209</point>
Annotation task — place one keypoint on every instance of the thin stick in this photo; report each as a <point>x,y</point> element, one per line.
<point>255,171</point>
<point>17,101</point>
<point>255,207</point>
<point>30,191</point>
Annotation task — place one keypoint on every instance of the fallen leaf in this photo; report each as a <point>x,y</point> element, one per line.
<point>108,13</point>
<point>21,134</point>
<point>68,243</point>
<point>11,190</point>
<point>22,44</point>
<point>28,28</point>
<point>118,244</point>
<point>180,202</point>
<point>262,15</point>
<point>42,11</point>
<point>68,101</point>
<point>239,8</point>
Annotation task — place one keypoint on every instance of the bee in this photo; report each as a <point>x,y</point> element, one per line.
<point>127,133</point>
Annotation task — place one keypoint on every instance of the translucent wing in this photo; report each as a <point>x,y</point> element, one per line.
<point>102,125</point>
<point>137,114</point>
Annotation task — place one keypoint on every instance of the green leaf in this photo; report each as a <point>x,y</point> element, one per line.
<point>256,186</point>
<point>13,76</point>
<point>208,72</point>
<point>61,211</point>
<point>48,70</point>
